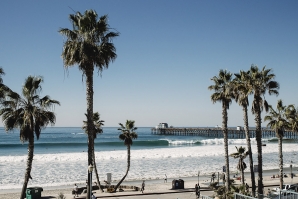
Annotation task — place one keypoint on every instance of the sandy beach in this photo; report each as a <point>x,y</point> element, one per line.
<point>156,186</point>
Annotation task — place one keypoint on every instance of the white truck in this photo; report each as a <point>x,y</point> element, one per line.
<point>288,187</point>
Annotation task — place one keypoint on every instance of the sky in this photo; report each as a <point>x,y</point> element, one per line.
<point>167,52</point>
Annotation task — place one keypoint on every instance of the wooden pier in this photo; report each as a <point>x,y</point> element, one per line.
<point>217,132</point>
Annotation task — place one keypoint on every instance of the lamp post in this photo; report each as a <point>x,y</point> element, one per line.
<point>291,169</point>
<point>198,178</point>
<point>90,169</point>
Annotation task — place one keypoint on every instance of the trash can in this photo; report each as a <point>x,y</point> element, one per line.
<point>33,192</point>
<point>178,184</point>
<point>181,184</point>
<point>175,184</point>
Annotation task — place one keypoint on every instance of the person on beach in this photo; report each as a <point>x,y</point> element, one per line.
<point>143,186</point>
<point>247,187</point>
<point>212,177</point>
<point>166,179</point>
<point>76,189</point>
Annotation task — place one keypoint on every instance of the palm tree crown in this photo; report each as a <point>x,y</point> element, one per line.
<point>222,88</point>
<point>128,133</point>
<point>277,119</point>
<point>89,43</point>
<point>29,113</point>
<point>261,83</point>
<point>241,88</point>
<point>97,124</point>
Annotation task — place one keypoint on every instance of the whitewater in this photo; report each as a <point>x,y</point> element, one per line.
<point>175,156</point>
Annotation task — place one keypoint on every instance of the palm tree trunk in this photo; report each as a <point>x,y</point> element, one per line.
<point>281,177</point>
<point>96,173</point>
<point>29,167</point>
<point>259,146</point>
<point>242,171</point>
<point>128,166</point>
<point>251,164</point>
<point>225,134</point>
<point>90,125</point>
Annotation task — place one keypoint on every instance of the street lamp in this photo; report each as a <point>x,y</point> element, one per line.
<point>198,178</point>
<point>291,169</point>
<point>90,169</point>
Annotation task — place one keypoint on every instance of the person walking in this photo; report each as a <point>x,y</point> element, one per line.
<point>143,186</point>
<point>212,177</point>
<point>76,190</point>
<point>166,178</point>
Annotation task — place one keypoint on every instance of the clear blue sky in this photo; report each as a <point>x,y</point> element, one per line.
<point>167,53</point>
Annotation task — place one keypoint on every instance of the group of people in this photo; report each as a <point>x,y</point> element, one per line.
<point>197,190</point>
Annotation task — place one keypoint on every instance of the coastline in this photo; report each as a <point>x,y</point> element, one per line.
<point>153,186</point>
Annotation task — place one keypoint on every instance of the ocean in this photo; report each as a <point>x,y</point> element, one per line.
<point>60,156</point>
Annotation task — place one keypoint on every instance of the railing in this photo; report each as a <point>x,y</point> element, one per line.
<point>206,197</point>
<point>241,196</point>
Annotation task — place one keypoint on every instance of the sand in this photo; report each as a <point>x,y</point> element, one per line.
<point>154,186</point>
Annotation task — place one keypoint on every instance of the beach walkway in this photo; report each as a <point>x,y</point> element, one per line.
<point>164,191</point>
<point>157,189</point>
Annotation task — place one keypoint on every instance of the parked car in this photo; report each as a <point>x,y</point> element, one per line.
<point>287,187</point>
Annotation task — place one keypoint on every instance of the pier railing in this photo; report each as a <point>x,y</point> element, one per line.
<point>217,132</point>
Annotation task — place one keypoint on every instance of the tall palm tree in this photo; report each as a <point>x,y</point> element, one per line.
<point>127,135</point>
<point>98,130</point>
<point>88,45</point>
<point>277,120</point>
<point>242,90</point>
<point>30,113</point>
<point>223,93</point>
<point>241,166</point>
<point>261,81</point>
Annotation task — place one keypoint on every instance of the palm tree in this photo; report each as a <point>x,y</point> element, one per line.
<point>88,45</point>
<point>3,88</point>
<point>261,82</point>
<point>98,130</point>
<point>292,116</point>
<point>242,90</point>
<point>30,113</point>
<point>127,135</point>
<point>241,166</point>
<point>223,93</point>
<point>277,120</point>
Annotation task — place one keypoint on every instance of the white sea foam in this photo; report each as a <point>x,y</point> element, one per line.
<point>68,168</point>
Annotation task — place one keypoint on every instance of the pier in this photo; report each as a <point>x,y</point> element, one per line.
<point>217,132</point>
